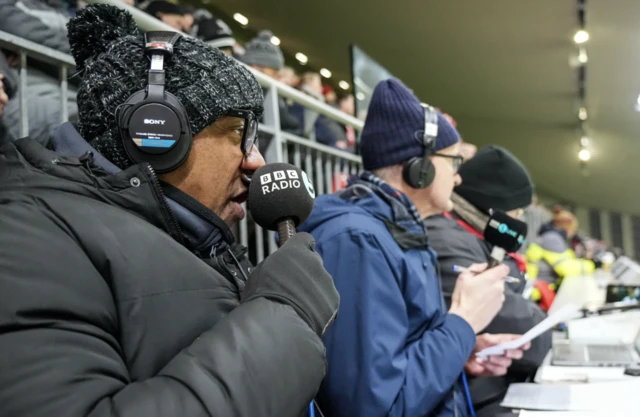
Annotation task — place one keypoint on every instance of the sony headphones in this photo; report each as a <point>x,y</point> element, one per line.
<point>153,124</point>
<point>419,172</point>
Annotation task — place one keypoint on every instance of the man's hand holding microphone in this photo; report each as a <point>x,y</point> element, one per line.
<point>479,294</point>
<point>281,198</point>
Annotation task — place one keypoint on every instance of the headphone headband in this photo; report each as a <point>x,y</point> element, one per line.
<point>430,125</point>
<point>429,142</point>
<point>160,41</point>
<point>153,123</point>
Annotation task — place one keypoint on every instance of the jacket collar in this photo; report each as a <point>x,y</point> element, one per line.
<point>390,206</point>
<point>198,228</point>
<point>402,210</point>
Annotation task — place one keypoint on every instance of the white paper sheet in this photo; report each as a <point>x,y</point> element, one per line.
<point>606,396</point>
<point>566,313</point>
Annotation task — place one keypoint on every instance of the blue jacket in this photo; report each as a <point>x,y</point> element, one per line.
<point>393,349</point>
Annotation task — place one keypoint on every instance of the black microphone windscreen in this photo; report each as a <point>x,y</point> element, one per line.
<point>280,191</point>
<point>505,231</point>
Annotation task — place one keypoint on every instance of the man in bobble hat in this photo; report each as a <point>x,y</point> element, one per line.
<point>492,179</point>
<point>394,350</point>
<point>261,54</point>
<point>122,292</point>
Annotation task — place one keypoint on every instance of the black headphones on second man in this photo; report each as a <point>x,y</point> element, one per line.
<point>418,171</point>
<point>153,123</point>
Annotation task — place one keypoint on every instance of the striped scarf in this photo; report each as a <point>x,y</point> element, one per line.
<point>403,207</point>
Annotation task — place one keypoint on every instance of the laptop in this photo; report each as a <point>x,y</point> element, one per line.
<point>617,293</point>
<point>581,354</point>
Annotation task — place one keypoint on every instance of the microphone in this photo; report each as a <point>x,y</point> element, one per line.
<point>505,233</point>
<point>281,197</point>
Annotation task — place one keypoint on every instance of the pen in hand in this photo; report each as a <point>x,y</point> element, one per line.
<point>510,279</point>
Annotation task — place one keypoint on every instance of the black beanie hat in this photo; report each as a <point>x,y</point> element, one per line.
<point>161,6</point>
<point>495,179</point>
<point>108,49</point>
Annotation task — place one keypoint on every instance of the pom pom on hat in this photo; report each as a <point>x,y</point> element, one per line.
<point>95,27</point>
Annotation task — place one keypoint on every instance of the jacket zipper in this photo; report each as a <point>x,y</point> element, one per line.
<point>166,211</point>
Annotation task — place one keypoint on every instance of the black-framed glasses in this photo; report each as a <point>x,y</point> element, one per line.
<point>250,130</point>
<point>456,160</point>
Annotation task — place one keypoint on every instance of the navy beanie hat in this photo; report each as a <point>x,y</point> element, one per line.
<point>394,127</point>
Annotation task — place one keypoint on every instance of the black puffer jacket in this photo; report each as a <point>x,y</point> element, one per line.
<point>104,313</point>
<point>456,246</point>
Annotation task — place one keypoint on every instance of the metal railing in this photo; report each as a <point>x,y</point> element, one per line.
<point>25,48</point>
<point>326,167</point>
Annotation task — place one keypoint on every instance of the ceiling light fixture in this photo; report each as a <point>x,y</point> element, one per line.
<point>302,58</point>
<point>584,141</point>
<point>584,155</point>
<point>581,36</point>
<point>344,85</point>
<point>582,56</point>
<point>582,113</point>
<point>241,19</point>
<point>360,96</point>
<point>275,40</point>
<point>325,73</point>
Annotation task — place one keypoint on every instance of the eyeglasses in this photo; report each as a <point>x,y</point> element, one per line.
<point>250,130</point>
<point>456,160</point>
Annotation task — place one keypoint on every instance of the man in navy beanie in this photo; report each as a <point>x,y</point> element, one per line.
<point>394,350</point>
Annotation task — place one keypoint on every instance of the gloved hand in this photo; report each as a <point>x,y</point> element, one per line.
<point>294,275</point>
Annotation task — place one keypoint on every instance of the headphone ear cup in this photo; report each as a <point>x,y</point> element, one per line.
<point>412,170</point>
<point>431,175</point>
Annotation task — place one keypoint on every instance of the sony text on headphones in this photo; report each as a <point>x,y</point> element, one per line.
<point>419,172</point>
<point>153,123</point>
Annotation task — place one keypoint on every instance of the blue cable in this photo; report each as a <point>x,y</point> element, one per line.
<point>312,411</point>
<point>467,394</point>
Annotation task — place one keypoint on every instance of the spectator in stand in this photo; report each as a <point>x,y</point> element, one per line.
<point>262,55</point>
<point>216,32</point>
<point>347,105</point>
<point>311,84</point>
<point>192,18</point>
<point>288,76</point>
<point>325,130</point>
<point>394,350</point>
<point>201,24</point>
<point>330,96</point>
<point>169,13</point>
<point>550,257</point>
<point>42,22</point>
<point>535,216</point>
<point>493,179</point>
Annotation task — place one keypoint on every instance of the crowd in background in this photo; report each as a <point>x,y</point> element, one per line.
<point>44,22</point>
<point>553,232</point>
